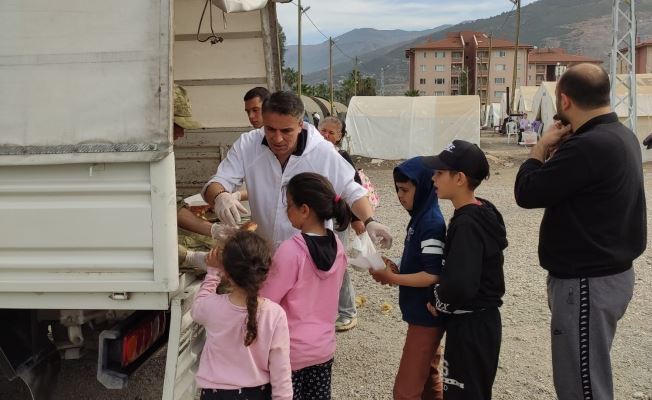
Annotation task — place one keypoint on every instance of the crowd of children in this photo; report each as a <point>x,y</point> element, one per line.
<point>273,336</point>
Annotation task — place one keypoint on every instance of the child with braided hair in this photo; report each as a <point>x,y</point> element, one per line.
<point>305,279</point>
<point>247,354</point>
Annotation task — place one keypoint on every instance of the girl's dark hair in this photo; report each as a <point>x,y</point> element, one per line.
<point>316,192</point>
<point>246,258</point>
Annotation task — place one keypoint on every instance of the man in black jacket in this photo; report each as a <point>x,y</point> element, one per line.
<point>588,176</point>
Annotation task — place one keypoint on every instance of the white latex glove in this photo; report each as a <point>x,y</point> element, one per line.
<point>222,231</point>
<point>196,259</point>
<point>228,208</point>
<point>379,233</point>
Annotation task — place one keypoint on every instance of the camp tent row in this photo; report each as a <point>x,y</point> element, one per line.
<point>322,107</point>
<point>400,127</point>
<point>544,106</point>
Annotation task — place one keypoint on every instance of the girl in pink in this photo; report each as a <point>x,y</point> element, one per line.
<point>247,350</point>
<point>305,279</point>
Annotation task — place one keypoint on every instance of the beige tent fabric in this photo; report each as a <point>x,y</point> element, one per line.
<point>525,99</point>
<point>400,127</point>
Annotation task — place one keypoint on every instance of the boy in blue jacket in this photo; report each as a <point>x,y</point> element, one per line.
<point>418,376</point>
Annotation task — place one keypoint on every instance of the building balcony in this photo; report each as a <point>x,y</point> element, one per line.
<point>456,72</point>
<point>456,59</point>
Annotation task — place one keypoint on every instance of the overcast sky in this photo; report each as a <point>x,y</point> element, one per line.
<point>335,17</point>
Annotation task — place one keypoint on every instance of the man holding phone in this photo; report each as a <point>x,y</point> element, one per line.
<point>586,172</point>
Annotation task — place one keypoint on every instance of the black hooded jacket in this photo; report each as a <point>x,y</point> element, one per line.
<point>472,275</point>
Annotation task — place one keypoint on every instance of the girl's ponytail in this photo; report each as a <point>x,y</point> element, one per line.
<point>246,259</point>
<point>317,193</point>
<point>341,213</point>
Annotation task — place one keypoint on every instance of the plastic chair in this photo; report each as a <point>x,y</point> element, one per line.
<point>512,129</point>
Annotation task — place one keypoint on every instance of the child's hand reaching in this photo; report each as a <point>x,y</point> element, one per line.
<point>385,276</point>
<point>214,259</point>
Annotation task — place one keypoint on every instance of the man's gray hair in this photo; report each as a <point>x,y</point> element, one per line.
<point>284,103</point>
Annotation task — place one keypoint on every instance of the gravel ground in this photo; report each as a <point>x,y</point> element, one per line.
<point>367,357</point>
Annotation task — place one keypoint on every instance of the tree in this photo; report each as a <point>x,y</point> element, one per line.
<point>365,87</point>
<point>320,90</point>
<point>281,41</point>
<point>412,93</point>
<point>290,78</point>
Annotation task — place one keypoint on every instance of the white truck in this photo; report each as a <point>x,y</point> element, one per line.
<point>88,178</point>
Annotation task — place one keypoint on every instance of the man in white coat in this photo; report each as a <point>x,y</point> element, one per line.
<point>267,158</point>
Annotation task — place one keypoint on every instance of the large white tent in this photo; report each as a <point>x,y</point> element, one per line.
<point>524,99</point>
<point>543,103</point>
<point>400,127</point>
<point>545,107</point>
<point>493,117</point>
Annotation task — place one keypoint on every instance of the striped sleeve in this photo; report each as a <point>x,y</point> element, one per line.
<point>432,249</point>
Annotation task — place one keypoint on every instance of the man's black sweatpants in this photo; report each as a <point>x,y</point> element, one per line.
<point>471,354</point>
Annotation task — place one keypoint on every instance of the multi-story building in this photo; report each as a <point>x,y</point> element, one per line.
<point>547,64</point>
<point>466,63</point>
<point>643,58</point>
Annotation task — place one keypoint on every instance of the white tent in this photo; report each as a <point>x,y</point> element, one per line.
<point>543,104</point>
<point>399,127</point>
<point>493,117</point>
<point>545,107</point>
<point>524,100</point>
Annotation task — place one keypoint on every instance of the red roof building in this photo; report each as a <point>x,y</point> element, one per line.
<point>547,64</point>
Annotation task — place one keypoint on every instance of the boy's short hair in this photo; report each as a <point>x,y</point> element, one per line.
<point>400,177</point>
<point>259,91</point>
<point>472,183</point>
<point>462,156</point>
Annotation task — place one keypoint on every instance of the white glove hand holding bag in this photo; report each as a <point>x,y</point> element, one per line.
<point>379,233</point>
<point>228,208</point>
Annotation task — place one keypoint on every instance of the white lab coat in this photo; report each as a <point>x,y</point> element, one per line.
<point>251,161</point>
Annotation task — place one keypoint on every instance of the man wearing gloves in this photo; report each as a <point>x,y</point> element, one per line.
<point>267,158</point>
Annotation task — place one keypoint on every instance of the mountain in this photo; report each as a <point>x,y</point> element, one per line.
<point>579,26</point>
<point>357,41</point>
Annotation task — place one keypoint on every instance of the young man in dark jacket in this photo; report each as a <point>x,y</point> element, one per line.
<point>587,174</point>
<point>471,284</point>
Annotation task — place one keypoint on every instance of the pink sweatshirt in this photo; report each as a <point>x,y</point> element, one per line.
<point>225,361</point>
<point>309,297</point>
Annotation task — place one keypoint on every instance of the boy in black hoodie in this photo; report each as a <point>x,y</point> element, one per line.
<point>471,284</point>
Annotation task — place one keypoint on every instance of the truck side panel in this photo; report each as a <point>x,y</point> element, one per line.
<point>88,228</point>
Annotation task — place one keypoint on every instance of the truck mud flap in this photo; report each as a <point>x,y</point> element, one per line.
<point>185,343</point>
<point>27,353</point>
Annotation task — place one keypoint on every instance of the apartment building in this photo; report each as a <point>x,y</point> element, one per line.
<point>643,58</point>
<point>466,63</point>
<point>547,64</point>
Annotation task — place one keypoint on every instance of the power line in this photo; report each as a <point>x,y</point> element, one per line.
<point>324,35</point>
<point>509,14</point>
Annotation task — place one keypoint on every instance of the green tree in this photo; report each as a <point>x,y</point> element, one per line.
<point>366,86</point>
<point>290,78</point>
<point>412,93</point>
<point>321,90</point>
<point>281,41</point>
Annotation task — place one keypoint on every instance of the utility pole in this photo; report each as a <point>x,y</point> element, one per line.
<point>330,70</point>
<point>355,77</point>
<point>488,94</point>
<point>300,12</point>
<point>518,31</point>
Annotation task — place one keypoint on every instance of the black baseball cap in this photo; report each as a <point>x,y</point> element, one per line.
<point>461,156</point>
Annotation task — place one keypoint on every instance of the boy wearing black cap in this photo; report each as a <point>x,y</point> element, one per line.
<point>471,283</point>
